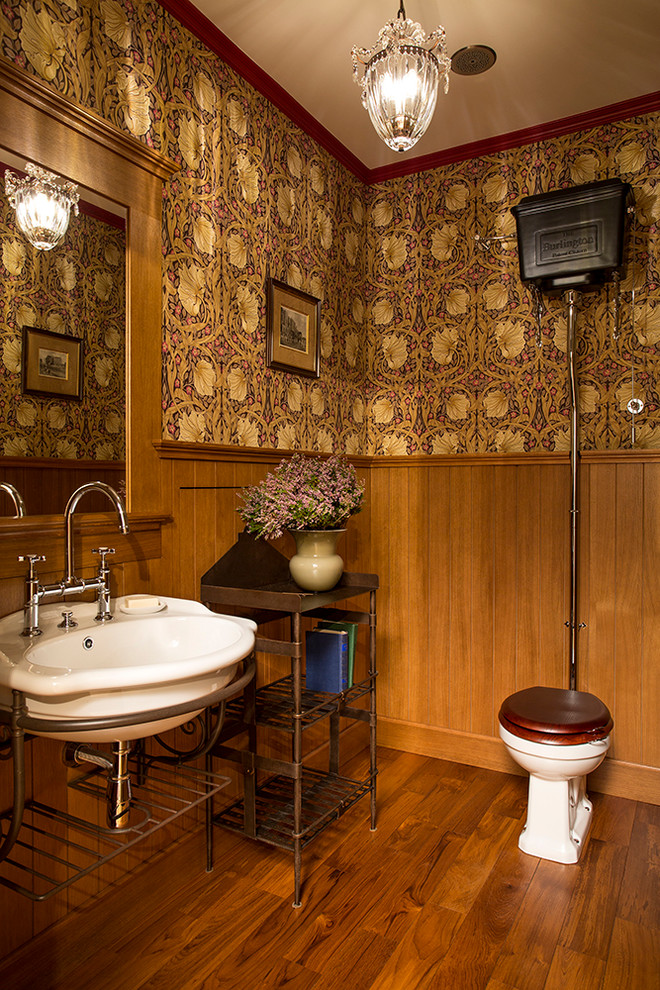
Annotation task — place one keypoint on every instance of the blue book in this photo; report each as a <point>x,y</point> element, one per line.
<point>326,657</point>
<point>351,629</point>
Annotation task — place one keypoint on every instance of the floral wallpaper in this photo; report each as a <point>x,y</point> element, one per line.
<point>76,289</point>
<point>457,359</point>
<point>430,343</point>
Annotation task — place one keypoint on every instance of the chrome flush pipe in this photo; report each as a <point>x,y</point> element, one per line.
<point>572,374</point>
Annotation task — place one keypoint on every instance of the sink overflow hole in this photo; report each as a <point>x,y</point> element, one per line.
<point>88,643</point>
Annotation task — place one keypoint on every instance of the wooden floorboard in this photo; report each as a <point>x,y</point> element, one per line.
<point>439,896</point>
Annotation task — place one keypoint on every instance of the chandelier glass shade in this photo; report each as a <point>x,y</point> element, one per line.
<point>400,81</point>
<point>43,202</point>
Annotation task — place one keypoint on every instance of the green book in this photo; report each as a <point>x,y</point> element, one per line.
<point>351,629</point>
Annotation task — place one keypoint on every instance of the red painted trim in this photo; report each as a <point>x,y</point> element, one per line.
<point>217,42</point>
<point>98,213</point>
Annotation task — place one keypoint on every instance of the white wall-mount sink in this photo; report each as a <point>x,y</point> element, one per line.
<point>171,652</point>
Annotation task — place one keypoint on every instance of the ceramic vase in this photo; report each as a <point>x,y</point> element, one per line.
<point>316,566</point>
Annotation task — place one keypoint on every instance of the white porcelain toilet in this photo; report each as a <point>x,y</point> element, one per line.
<point>559,737</point>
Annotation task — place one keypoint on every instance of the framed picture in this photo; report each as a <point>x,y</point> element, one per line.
<point>52,364</point>
<point>293,340</point>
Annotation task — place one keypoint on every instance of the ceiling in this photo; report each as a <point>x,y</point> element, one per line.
<point>555,58</point>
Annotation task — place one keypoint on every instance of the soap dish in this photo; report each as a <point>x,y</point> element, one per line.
<point>137,609</point>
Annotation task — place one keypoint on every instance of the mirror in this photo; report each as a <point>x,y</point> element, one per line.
<point>69,302</point>
<point>38,125</point>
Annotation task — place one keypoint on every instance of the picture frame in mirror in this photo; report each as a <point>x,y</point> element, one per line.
<point>52,364</point>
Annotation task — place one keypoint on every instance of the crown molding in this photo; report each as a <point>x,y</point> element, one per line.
<point>637,107</point>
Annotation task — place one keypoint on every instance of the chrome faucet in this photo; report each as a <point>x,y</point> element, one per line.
<point>15,496</point>
<point>91,486</point>
<point>70,584</point>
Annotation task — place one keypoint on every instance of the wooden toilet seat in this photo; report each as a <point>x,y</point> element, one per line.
<point>556,716</point>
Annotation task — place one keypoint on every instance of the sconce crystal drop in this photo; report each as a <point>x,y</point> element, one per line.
<point>400,81</point>
<point>43,202</point>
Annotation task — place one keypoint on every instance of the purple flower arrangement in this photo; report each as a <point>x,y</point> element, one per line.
<point>302,493</point>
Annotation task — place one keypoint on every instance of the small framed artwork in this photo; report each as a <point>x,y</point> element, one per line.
<point>52,364</point>
<point>293,341</point>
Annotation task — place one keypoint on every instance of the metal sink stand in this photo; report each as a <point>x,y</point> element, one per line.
<point>164,788</point>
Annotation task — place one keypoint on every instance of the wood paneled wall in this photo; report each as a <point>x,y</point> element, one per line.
<point>46,483</point>
<point>474,561</point>
<point>204,487</point>
<point>206,524</point>
<point>621,596</point>
<point>473,567</point>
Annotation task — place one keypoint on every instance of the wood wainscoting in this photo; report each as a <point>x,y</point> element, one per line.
<point>47,482</point>
<point>473,555</point>
<point>205,483</point>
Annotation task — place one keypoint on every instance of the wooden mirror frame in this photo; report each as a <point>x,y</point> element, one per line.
<point>42,126</point>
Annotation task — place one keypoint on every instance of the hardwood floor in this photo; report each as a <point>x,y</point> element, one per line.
<point>438,897</point>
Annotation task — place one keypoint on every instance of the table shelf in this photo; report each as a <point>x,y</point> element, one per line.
<point>274,707</point>
<point>289,804</point>
<point>325,798</point>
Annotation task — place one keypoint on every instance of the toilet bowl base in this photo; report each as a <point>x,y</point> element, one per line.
<point>558,819</point>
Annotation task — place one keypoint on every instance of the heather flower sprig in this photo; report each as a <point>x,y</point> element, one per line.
<point>302,493</point>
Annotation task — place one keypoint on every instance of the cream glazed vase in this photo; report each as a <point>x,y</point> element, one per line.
<point>316,565</point>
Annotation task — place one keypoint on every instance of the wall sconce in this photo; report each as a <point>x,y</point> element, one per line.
<point>43,202</point>
<point>400,81</point>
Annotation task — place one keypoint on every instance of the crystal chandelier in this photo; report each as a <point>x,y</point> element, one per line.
<point>43,202</point>
<point>400,81</point>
